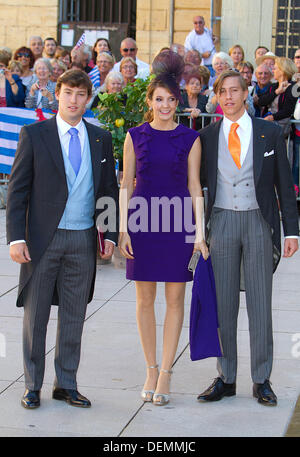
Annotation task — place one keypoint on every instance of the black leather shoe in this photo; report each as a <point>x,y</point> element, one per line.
<point>217,391</point>
<point>31,399</point>
<point>71,396</point>
<point>264,394</point>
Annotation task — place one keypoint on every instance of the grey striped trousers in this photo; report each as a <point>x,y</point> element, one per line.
<point>235,237</point>
<point>68,263</point>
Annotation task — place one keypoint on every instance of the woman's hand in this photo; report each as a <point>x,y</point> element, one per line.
<point>269,118</point>
<point>8,76</point>
<point>125,245</point>
<point>282,87</point>
<point>35,86</point>
<point>47,94</point>
<point>195,113</point>
<point>202,247</point>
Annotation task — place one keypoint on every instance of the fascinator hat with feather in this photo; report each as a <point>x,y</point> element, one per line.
<point>168,68</point>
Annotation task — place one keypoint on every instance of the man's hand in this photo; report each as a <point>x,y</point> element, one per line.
<point>206,55</point>
<point>19,253</point>
<point>109,248</point>
<point>290,247</point>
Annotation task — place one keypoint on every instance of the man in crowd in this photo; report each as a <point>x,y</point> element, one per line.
<point>263,76</point>
<point>202,39</point>
<point>259,52</point>
<point>129,49</point>
<point>50,46</point>
<point>35,43</point>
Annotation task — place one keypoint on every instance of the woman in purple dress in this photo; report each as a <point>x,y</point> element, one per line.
<point>157,236</point>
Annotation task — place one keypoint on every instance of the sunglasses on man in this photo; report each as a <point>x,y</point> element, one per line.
<point>128,49</point>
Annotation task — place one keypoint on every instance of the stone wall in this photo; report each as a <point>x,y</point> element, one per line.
<point>21,19</point>
<point>248,24</point>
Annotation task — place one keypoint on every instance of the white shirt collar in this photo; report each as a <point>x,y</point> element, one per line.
<point>244,122</point>
<point>64,127</point>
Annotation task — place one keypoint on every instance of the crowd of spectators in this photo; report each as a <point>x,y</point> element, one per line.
<point>28,77</point>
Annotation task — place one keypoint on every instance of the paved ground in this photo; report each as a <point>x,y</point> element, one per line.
<point>112,368</point>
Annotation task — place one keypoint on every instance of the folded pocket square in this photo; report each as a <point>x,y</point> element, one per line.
<point>267,154</point>
<point>104,160</point>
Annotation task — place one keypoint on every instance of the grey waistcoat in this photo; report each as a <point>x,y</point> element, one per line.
<point>235,187</point>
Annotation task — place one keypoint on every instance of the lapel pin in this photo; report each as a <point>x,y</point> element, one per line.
<point>262,136</point>
<point>97,140</point>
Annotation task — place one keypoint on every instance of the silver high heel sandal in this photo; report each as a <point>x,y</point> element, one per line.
<point>162,399</point>
<point>147,395</point>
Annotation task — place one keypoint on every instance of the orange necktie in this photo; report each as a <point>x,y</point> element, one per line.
<point>234,144</point>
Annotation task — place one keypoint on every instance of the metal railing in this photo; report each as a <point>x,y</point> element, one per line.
<point>203,116</point>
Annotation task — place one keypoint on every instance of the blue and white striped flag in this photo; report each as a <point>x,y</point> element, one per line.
<point>80,42</point>
<point>11,122</point>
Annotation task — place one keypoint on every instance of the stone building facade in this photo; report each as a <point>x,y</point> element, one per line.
<point>21,19</point>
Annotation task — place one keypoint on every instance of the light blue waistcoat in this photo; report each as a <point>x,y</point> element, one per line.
<point>80,207</point>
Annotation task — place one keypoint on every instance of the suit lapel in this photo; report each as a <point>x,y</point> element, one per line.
<point>96,147</point>
<point>212,155</point>
<point>259,147</point>
<point>52,143</point>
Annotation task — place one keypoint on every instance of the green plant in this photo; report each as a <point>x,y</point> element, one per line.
<point>120,111</point>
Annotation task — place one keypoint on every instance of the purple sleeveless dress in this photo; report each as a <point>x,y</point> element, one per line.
<point>160,219</point>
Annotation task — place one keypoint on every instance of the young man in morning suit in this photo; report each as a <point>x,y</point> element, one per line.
<point>244,161</point>
<point>62,167</point>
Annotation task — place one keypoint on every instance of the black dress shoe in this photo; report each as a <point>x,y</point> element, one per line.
<point>71,396</point>
<point>217,391</point>
<point>264,394</point>
<point>31,399</point>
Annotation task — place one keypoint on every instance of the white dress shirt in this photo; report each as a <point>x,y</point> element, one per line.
<point>63,132</point>
<point>244,132</point>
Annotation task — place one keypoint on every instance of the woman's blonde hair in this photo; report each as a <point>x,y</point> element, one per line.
<point>287,66</point>
<point>237,46</point>
<point>15,64</point>
<point>130,60</point>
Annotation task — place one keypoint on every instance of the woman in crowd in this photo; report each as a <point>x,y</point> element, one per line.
<point>42,92</point>
<point>104,64</point>
<point>281,99</point>
<point>25,56</point>
<point>221,61</point>
<point>58,68</point>
<point>193,101</point>
<point>165,158</point>
<point>101,45</point>
<point>246,69</point>
<point>128,69</point>
<point>114,83</point>
<point>237,54</point>
<point>16,68</point>
<point>11,87</point>
<point>64,56</point>
<point>205,77</point>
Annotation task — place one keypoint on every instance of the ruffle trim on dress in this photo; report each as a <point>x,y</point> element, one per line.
<point>178,141</point>
<point>143,147</point>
